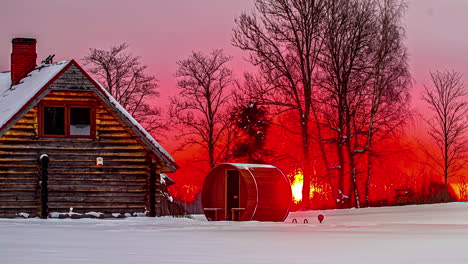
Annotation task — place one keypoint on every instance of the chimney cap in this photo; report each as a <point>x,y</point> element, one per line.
<point>26,41</point>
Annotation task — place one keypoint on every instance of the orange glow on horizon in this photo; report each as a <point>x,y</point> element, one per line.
<point>400,164</point>
<point>296,187</point>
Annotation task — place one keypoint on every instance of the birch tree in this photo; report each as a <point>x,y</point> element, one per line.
<point>348,34</point>
<point>389,97</point>
<point>341,66</point>
<point>283,38</point>
<point>364,78</point>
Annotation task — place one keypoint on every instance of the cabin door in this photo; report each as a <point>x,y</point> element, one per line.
<point>44,178</point>
<point>232,192</point>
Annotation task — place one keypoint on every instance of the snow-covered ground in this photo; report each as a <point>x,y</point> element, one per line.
<point>408,234</point>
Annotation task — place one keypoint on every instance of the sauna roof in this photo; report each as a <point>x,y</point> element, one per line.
<point>251,166</point>
<point>16,99</point>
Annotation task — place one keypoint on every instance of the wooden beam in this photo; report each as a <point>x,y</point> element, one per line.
<point>152,188</point>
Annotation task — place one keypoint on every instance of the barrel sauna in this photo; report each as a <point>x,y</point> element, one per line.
<point>244,192</point>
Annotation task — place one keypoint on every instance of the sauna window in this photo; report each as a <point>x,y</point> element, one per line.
<point>67,121</point>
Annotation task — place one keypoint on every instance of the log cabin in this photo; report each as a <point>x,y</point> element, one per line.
<point>67,147</point>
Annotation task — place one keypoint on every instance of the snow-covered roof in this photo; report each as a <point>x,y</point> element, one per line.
<point>14,98</point>
<point>166,179</point>
<point>134,122</point>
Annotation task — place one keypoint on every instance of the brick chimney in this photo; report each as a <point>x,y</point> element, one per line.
<point>23,58</point>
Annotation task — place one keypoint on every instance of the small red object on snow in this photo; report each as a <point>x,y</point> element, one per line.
<point>320,217</point>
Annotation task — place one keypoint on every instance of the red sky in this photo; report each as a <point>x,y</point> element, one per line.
<point>162,32</point>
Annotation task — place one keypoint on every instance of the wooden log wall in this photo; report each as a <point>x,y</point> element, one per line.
<point>75,181</point>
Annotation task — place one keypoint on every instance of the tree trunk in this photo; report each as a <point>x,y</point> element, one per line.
<point>369,175</point>
<point>339,149</point>
<point>326,163</point>
<point>307,170</point>
<point>211,155</point>
<point>446,162</point>
<point>351,158</point>
<point>368,148</point>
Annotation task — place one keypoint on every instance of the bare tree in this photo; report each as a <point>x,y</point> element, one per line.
<point>284,40</point>
<point>124,77</point>
<point>348,35</point>
<point>342,67</point>
<point>201,107</point>
<point>449,127</point>
<point>364,85</point>
<point>390,79</point>
<point>352,101</point>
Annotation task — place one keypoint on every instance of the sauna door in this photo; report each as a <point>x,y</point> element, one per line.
<point>232,192</point>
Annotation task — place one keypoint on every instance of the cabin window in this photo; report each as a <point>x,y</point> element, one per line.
<point>80,121</point>
<point>67,121</point>
<point>54,120</point>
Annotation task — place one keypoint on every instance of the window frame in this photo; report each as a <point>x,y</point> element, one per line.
<point>67,106</point>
